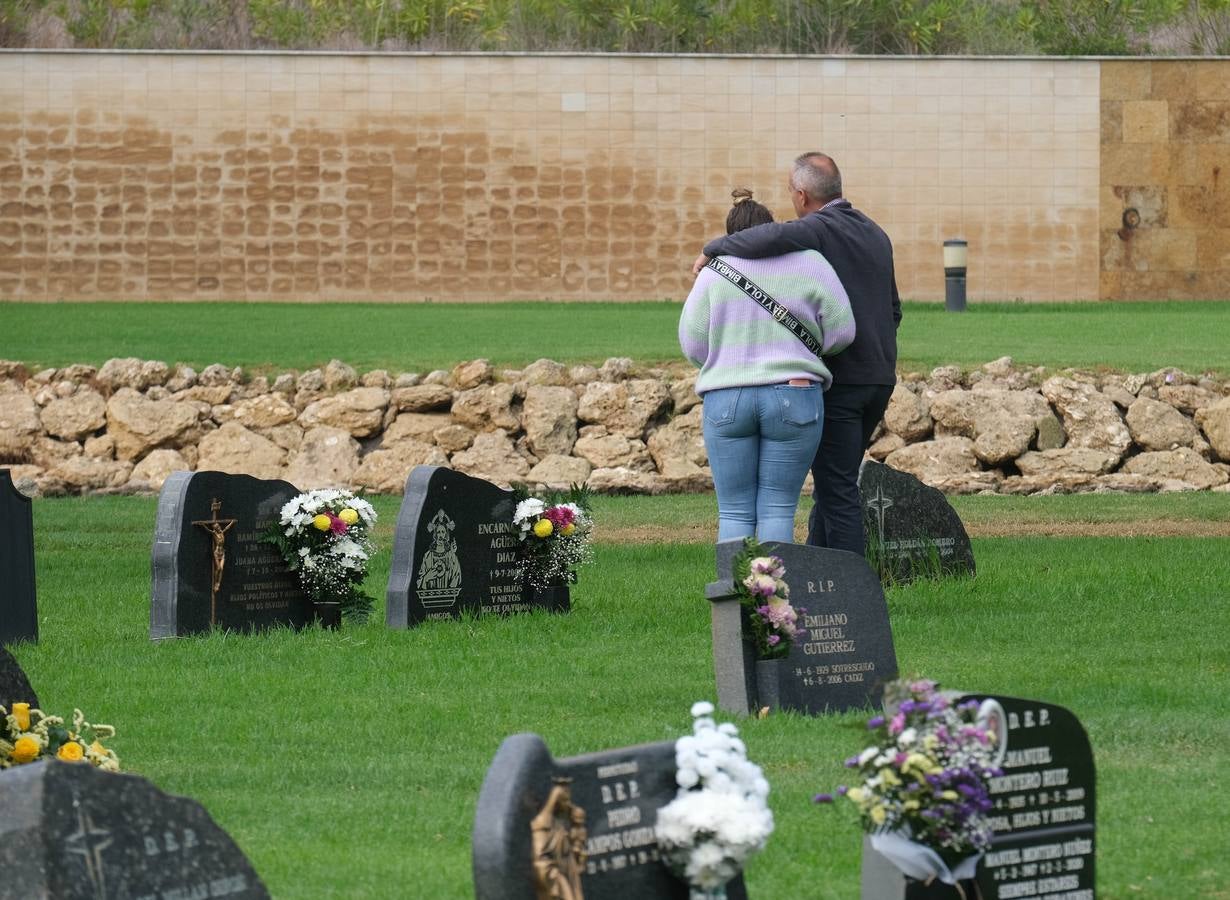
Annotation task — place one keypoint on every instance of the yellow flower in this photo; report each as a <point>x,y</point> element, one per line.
<point>568,529</point>
<point>98,748</point>
<point>71,752</point>
<point>856,794</point>
<point>321,523</point>
<point>25,749</point>
<point>878,815</point>
<point>348,515</point>
<point>889,777</point>
<point>543,528</point>
<point>21,712</point>
<point>949,795</point>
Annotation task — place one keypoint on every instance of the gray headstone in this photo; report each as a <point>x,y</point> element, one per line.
<point>1043,817</point>
<point>18,610</point>
<point>198,512</point>
<point>844,656</point>
<point>14,686</point>
<point>620,792</point>
<point>912,529</point>
<point>455,550</point>
<point>72,832</point>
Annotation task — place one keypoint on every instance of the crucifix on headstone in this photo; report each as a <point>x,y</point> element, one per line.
<point>880,503</point>
<point>218,528</point>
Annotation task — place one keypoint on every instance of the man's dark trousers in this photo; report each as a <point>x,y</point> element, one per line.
<point>851,413</point>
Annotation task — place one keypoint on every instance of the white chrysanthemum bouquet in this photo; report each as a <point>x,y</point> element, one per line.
<point>555,535</point>
<point>325,536</point>
<point>719,817</point>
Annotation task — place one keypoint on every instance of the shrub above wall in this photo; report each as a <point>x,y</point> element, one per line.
<point>124,427</point>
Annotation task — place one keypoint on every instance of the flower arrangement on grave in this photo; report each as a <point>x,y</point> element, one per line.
<point>922,789</point>
<point>555,534</point>
<point>763,592</point>
<point>28,734</point>
<point>325,536</point>
<point>719,816</point>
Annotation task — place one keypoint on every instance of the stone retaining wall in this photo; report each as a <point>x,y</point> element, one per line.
<point>124,427</point>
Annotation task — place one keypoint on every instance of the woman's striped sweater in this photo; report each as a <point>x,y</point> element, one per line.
<point>736,343</point>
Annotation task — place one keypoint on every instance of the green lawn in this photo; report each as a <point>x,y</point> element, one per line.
<point>421,337</point>
<point>346,763</point>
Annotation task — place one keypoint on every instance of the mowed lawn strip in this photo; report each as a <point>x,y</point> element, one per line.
<point>419,337</point>
<point>348,764</point>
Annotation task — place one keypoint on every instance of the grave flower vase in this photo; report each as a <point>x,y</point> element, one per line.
<point>329,615</point>
<point>553,597</point>
<point>768,682</point>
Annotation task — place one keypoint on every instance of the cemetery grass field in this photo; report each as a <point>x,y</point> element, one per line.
<point>268,337</point>
<point>348,764</point>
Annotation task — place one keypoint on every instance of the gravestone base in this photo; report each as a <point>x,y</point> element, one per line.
<point>73,832</point>
<point>844,654</point>
<point>881,880</point>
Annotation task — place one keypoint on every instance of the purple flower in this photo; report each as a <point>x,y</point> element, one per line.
<point>875,722</point>
<point>774,640</point>
<point>822,798</point>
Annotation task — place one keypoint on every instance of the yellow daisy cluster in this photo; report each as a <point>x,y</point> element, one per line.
<point>28,734</point>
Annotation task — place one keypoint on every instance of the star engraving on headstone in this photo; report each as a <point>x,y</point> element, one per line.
<point>880,503</point>
<point>82,843</point>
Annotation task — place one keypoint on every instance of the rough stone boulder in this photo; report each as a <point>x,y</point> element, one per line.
<point>1002,434</point>
<point>486,407</point>
<point>559,471</point>
<point>75,417</point>
<point>453,438</point>
<point>1073,483</point>
<point>1155,425</point>
<point>1090,418</point>
<point>907,415</point>
<point>385,470</point>
<point>265,411</point>
<point>546,372</point>
<point>1214,420</point>
<point>683,394</point>
<point>620,480</point>
<point>613,451</point>
<point>933,461</point>
<point>1066,461</point>
<point>85,474</point>
<point>469,375</point>
<point>681,440</point>
<point>414,427</point>
<point>130,372</point>
<point>328,457</point>
<point>970,482</point>
<point>616,368</point>
<point>549,417</point>
<point>954,412</point>
<point>359,412</point>
<point>626,407</point>
<point>151,472</point>
<point>1187,398</point>
<point>46,452</point>
<point>492,456</point>
<point>20,424</point>
<point>422,397</point>
<point>139,425</point>
<point>238,451</point>
<point>1183,464</point>
<point>885,445</point>
<point>339,376</point>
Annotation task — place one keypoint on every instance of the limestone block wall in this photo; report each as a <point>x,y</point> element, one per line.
<point>1165,178</point>
<point>202,176</point>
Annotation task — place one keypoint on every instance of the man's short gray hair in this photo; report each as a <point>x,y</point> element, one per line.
<point>816,175</point>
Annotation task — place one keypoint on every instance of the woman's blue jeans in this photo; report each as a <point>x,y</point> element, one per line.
<point>761,441</point>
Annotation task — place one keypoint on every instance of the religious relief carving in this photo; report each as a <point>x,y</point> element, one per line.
<point>440,574</point>
<point>558,836</point>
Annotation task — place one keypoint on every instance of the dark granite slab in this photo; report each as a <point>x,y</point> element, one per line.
<point>198,513</point>
<point>18,607</point>
<point>14,686</point>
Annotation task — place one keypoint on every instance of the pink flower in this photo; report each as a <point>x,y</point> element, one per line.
<point>336,525</point>
<point>760,585</point>
<point>897,725</point>
<point>559,516</point>
<point>773,640</point>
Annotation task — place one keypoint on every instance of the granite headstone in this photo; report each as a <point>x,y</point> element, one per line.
<point>912,530</point>
<point>526,831</point>
<point>18,610</point>
<point>455,550</point>
<point>73,832</point>
<point>14,686</point>
<point>844,655</point>
<point>211,564</point>
<point>1043,816</point>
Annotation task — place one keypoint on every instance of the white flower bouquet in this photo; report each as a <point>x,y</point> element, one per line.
<point>325,536</point>
<point>719,817</point>
<point>555,535</point>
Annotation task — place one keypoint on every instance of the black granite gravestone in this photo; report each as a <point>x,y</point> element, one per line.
<point>72,832</point>
<point>18,611</point>
<point>1043,816</point>
<point>1045,807</point>
<point>211,565</point>
<point>525,816</point>
<point>455,549</point>
<point>912,530</point>
<point>14,686</point>
<point>844,656</point>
